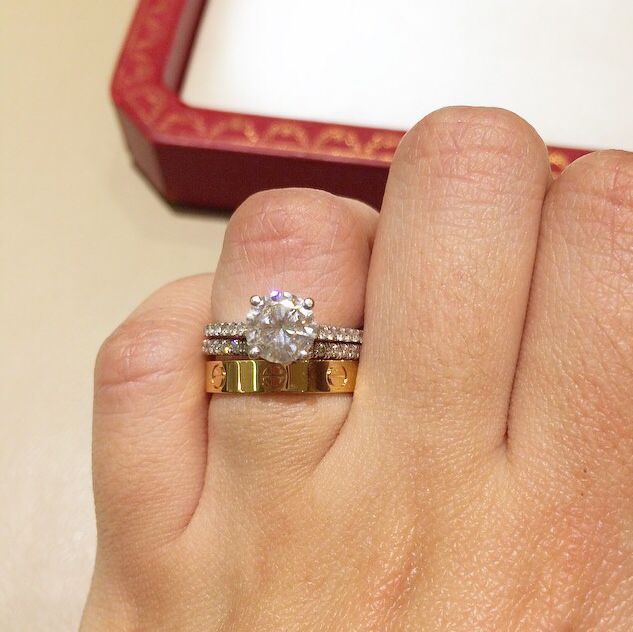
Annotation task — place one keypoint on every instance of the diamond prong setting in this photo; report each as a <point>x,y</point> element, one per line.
<point>280,327</point>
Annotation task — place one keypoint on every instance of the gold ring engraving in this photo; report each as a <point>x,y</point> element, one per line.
<point>261,376</point>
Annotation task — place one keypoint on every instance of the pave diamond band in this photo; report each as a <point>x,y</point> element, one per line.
<point>321,350</point>
<point>329,333</point>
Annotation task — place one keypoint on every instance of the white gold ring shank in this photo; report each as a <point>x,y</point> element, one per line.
<point>329,333</point>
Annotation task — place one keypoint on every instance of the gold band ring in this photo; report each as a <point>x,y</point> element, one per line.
<point>260,376</point>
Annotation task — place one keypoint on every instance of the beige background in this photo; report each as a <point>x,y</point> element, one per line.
<point>82,240</point>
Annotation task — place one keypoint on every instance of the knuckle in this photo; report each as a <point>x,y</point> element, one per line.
<point>155,341</point>
<point>463,140</point>
<point>593,207</point>
<point>140,350</point>
<point>307,222</point>
<point>602,178</point>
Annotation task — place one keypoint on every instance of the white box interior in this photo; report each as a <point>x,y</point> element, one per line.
<point>565,65</point>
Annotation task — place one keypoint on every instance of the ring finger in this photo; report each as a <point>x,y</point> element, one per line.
<point>312,244</point>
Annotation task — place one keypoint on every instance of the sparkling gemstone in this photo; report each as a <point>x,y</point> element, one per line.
<point>281,328</point>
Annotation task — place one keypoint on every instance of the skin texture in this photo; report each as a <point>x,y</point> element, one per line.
<point>479,478</point>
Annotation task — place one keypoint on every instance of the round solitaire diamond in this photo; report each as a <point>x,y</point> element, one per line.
<point>280,327</point>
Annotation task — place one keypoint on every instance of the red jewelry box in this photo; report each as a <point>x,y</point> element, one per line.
<point>212,158</point>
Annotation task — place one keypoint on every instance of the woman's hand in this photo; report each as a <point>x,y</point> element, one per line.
<point>481,476</point>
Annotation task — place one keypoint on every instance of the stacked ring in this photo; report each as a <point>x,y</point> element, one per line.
<point>280,348</point>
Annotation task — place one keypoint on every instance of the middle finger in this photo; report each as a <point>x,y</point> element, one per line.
<point>448,288</point>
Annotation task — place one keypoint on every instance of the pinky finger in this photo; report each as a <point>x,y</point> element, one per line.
<point>150,419</point>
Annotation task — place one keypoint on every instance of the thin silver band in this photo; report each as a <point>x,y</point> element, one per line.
<point>322,350</point>
<point>329,333</point>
